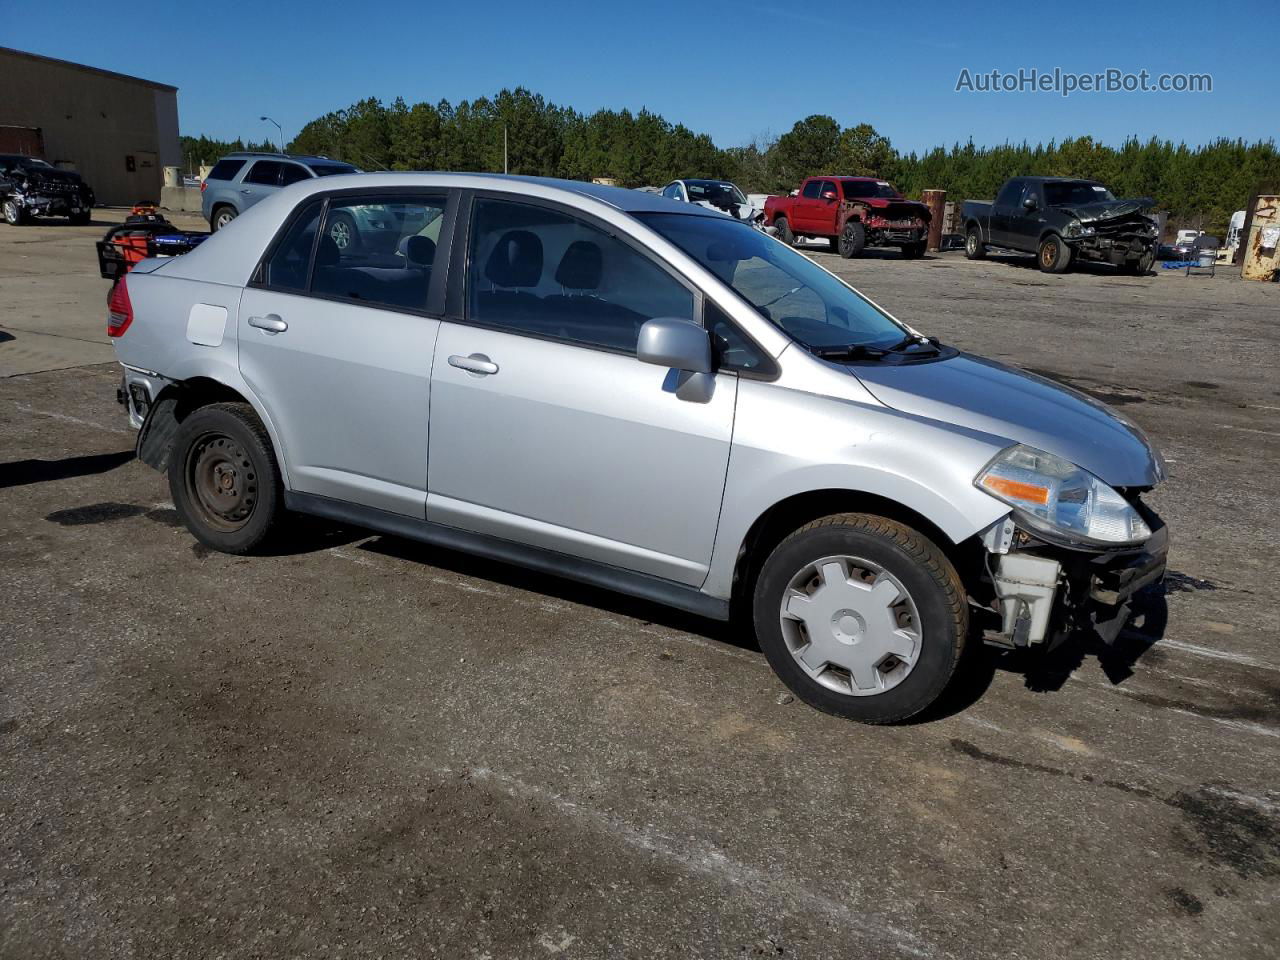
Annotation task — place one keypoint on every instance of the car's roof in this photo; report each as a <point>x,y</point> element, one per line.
<point>850,179</point>
<point>705,180</point>
<point>300,157</point>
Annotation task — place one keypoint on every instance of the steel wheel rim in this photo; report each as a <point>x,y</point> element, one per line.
<point>850,625</point>
<point>222,483</point>
<point>224,218</point>
<point>10,210</point>
<point>340,233</point>
<point>971,243</point>
<point>1049,254</point>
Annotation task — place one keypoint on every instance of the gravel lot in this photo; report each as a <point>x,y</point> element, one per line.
<point>364,747</point>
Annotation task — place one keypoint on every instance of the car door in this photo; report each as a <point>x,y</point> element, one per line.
<point>1002,210</point>
<point>545,427</point>
<point>259,181</point>
<point>338,345</point>
<point>1025,226</point>
<point>806,207</point>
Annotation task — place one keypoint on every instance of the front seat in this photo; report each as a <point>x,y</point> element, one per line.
<point>514,266</point>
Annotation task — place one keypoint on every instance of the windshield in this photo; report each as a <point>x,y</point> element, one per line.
<point>785,287</point>
<point>1074,194</point>
<point>713,191</point>
<point>869,188</point>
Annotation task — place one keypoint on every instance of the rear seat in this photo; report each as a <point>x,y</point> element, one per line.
<point>404,286</point>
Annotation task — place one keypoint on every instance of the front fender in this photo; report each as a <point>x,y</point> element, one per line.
<point>787,442</point>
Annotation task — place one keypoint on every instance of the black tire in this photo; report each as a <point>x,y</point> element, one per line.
<point>921,568</point>
<point>913,251</point>
<point>217,442</point>
<point>1139,266</point>
<point>221,216</point>
<point>1053,256</point>
<point>974,248</point>
<point>342,231</point>
<point>14,215</point>
<point>81,219</point>
<point>853,239</point>
<point>784,231</point>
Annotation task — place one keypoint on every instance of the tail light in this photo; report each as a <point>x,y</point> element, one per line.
<point>119,309</point>
<point>204,185</point>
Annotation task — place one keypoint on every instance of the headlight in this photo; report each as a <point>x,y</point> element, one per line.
<point>1056,496</point>
<point>1076,230</point>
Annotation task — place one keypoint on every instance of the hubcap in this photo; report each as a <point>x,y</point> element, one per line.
<point>10,210</point>
<point>223,482</point>
<point>224,218</point>
<point>341,234</point>
<point>851,625</point>
<point>1049,254</point>
<point>972,243</point>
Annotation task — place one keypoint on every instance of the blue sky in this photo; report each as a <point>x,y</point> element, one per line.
<point>733,70</point>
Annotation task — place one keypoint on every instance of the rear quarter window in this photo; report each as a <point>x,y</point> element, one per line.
<point>225,170</point>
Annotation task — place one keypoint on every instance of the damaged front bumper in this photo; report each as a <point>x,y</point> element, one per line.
<point>1042,592</point>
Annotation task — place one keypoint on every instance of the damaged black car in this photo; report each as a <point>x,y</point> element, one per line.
<point>30,188</point>
<point>1063,220</point>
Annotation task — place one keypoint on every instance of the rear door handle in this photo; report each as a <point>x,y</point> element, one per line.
<point>477,363</point>
<point>271,323</point>
<point>246,191</point>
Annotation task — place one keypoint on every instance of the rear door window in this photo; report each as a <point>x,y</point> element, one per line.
<point>225,169</point>
<point>379,251</point>
<point>265,173</point>
<point>292,173</point>
<point>290,262</point>
<point>1010,194</point>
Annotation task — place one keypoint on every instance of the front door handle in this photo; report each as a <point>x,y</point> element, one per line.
<point>477,363</point>
<point>270,323</point>
<point>246,191</point>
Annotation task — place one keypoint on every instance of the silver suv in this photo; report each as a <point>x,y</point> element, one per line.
<point>239,180</point>
<point>639,394</point>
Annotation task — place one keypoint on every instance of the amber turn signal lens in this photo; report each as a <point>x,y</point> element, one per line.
<point>1016,489</point>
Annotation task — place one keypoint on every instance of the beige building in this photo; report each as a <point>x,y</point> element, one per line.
<point>118,132</point>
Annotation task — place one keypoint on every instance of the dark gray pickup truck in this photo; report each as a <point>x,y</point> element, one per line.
<point>1061,220</point>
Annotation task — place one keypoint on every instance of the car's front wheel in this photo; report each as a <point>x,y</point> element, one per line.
<point>224,478</point>
<point>1054,256</point>
<point>861,617</point>
<point>14,215</point>
<point>852,240</point>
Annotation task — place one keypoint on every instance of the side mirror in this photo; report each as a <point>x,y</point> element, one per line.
<point>673,342</point>
<point>1031,203</point>
<point>829,195</point>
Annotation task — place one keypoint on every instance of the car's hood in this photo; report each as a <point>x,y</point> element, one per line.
<point>985,395</point>
<point>48,175</point>
<point>1107,209</point>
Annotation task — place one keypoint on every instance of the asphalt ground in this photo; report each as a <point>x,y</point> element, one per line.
<point>361,747</point>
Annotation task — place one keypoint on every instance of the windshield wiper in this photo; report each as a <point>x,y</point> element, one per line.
<point>849,351</point>
<point>912,339</point>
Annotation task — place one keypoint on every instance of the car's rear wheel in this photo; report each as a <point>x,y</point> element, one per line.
<point>221,217</point>
<point>14,215</point>
<point>784,231</point>
<point>861,617</point>
<point>1054,256</point>
<point>853,239</point>
<point>974,248</point>
<point>224,478</point>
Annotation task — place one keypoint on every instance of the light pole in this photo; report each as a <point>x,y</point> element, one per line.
<point>279,131</point>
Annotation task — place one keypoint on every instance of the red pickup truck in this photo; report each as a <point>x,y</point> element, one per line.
<point>852,213</point>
